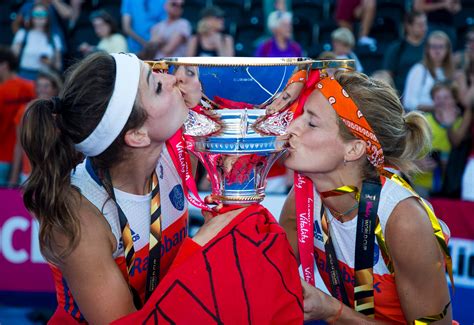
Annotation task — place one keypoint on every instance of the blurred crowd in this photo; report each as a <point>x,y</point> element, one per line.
<point>423,48</point>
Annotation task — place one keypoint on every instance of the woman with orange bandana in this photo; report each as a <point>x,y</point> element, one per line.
<point>378,246</point>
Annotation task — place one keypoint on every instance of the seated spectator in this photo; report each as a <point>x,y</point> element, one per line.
<point>445,121</point>
<point>342,44</point>
<point>15,93</point>
<point>210,39</point>
<point>440,15</point>
<point>403,54</point>
<point>347,11</point>
<point>47,85</point>
<point>281,43</point>
<point>170,37</point>
<point>37,47</point>
<point>105,27</point>
<point>437,65</point>
<point>138,17</point>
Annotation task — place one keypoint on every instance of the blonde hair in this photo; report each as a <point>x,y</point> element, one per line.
<point>203,26</point>
<point>275,18</point>
<point>447,65</point>
<point>402,136</point>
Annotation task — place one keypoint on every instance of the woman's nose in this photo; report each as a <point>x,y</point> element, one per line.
<point>169,80</point>
<point>294,126</point>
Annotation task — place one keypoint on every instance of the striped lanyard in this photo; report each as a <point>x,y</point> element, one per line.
<point>364,248</point>
<point>128,237</point>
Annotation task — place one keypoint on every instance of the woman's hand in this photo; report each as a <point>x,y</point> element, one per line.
<point>213,225</point>
<point>316,304</point>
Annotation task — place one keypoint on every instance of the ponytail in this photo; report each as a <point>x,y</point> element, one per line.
<point>417,140</point>
<point>48,191</point>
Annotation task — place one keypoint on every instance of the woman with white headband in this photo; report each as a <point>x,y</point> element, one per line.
<point>101,217</point>
<point>378,246</point>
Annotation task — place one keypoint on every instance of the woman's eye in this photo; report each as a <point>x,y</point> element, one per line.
<point>158,88</point>
<point>190,72</point>
<point>286,96</point>
<point>311,125</point>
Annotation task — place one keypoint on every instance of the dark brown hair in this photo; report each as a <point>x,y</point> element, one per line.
<point>48,137</point>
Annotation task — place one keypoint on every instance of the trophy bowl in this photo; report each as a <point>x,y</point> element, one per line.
<point>239,110</point>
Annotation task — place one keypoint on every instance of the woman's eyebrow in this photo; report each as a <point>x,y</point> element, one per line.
<point>148,77</point>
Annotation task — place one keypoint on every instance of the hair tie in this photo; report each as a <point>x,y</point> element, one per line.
<point>57,105</point>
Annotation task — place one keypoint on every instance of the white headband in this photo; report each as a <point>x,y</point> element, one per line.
<point>119,108</point>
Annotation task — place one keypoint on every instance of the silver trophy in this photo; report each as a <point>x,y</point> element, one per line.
<point>240,109</point>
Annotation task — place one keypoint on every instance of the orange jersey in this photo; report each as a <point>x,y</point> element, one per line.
<point>137,210</point>
<point>387,302</point>
<point>15,94</point>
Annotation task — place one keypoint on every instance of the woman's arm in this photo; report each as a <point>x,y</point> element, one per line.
<point>425,6</point>
<point>192,45</point>
<point>319,306</point>
<point>456,135</point>
<point>93,277</point>
<point>418,262</point>
<point>127,29</point>
<point>228,48</point>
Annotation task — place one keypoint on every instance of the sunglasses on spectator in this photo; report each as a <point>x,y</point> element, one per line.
<point>39,14</point>
<point>177,4</point>
<point>436,46</point>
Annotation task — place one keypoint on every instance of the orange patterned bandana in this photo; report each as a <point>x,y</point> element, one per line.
<point>352,118</point>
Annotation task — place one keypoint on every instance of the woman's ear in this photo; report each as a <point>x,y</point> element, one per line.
<point>137,138</point>
<point>355,149</point>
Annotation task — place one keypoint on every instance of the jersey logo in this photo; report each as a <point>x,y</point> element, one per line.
<point>317,231</point>
<point>177,197</point>
<point>376,253</point>
<point>161,171</point>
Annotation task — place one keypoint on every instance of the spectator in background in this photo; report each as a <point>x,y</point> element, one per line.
<point>347,11</point>
<point>467,186</point>
<point>47,85</point>
<point>403,54</point>
<point>437,66</point>
<point>105,27</point>
<point>281,43</point>
<point>210,39</point>
<point>342,44</point>
<point>15,93</point>
<point>58,11</point>
<point>444,121</point>
<point>137,19</point>
<point>169,37</point>
<point>440,15</point>
<point>463,58</point>
<point>37,47</point>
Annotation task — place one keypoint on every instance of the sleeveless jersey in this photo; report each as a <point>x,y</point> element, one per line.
<point>387,303</point>
<point>137,210</point>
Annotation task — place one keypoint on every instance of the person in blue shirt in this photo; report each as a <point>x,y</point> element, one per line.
<point>137,19</point>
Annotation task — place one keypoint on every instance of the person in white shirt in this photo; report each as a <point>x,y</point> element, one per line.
<point>37,48</point>
<point>437,65</point>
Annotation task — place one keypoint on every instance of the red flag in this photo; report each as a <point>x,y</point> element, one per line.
<point>246,275</point>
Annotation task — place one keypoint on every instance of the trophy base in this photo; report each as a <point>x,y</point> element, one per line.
<point>229,200</point>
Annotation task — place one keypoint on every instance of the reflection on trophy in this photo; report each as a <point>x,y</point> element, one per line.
<point>239,109</point>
